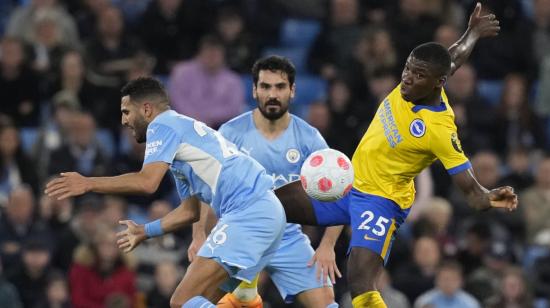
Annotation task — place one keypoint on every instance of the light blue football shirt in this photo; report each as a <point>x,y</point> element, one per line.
<point>204,164</point>
<point>282,157</point>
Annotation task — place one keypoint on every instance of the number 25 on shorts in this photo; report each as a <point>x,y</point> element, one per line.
<point>378,228</point>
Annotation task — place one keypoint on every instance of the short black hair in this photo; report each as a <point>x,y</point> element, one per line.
<point>274,63</point>
<point>145,88</point>
<point>435,54</point>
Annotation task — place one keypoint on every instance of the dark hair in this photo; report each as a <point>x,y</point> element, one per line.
<point>435,54</point>
<point>210,40</point>
<point>274,63</point>
<point>145,88</point>
<point>450,264</point>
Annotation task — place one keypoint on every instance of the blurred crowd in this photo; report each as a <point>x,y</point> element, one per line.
<point>63,62</point>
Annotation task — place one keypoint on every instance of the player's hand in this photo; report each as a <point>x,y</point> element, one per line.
<point>326,264</point>
<point>193,249</point>
<point>131,237</point>
<point>69,184</point>
<point>483,26</point>
<point>503,197</point>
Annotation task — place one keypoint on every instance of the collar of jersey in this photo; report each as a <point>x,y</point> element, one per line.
<point>441,107</point>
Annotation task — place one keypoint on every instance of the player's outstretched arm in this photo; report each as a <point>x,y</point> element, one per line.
<point>185,214</point>
<point>70,184</point>
<point>479,26</point>
<point>480,197</point>
<point>298,206</point>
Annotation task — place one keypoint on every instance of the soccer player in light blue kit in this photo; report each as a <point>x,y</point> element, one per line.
<point>207,169</point>
<point>281,142</point>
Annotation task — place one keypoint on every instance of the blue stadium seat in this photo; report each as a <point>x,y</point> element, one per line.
<point>247,84</point>
<point>299,32</point>
<point>106,141</point>
<point>491,90</point>
<point>310,88</point>
<point>298,55</point>
<point>28,137</point>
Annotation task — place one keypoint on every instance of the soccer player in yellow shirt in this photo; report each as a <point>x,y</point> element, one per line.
<point>413,127</point>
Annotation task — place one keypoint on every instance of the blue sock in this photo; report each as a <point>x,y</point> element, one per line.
<point>198,302</point>
<point>333,305</point>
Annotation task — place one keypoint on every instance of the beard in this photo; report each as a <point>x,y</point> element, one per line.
<point>140,130</point>
<point>273,113</point>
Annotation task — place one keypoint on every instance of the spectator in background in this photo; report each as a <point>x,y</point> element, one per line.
<point>15,167</point>
<point>56,213</point>
<point>101,274</point>
<point>512,50</point>
<point>81,230</point>
<point>447,35</point>
<point>417,274</point>
<point>109,53</point>
<point>347,117</point>
<point>240,47</point>
<point>167,276</point>
<point>57,292</point>
<point>448,292</point>
<point>516,124</point>
<point>31,276</point>
<point>513,291</point>
<point>18,226</point>
<point>48,46</point>
<point>334,45</point>
<point>171,30</point>
<point>9,297</point>
<point>204,88</point>
<point>536,202</point>
<point>475,243</point>
<point>433,220</point>
<point>18,84</point>
<point>412,14</point>
<point>392,297</point>
<point>519,173</point>
<point>114,210</point>
<point>86,13</point>
<point>81,152</point>
<point>166,248</point>
<point>473,115</point>
<point>21,21</point>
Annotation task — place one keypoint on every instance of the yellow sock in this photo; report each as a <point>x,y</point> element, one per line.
<point>371,299</point>
<point>247,291</point>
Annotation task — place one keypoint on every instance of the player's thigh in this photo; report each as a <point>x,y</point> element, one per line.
<point>332,213</point>
<point>243,242</point>
<point>318,297</point>
<point>363,268</point>
<point>289,268</point>
<point>203,277</point>
<point>374,221</point>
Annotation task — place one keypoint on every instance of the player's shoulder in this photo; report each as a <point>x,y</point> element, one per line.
<point>239,123</point>
<point>301,125</point>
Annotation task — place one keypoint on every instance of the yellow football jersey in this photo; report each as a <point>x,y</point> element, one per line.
<point>402,140</point>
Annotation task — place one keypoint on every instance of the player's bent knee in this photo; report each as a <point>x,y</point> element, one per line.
<point>318,297</point>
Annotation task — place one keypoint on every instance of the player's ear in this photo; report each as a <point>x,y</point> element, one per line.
<point>442,81</point>
<point>254,95</point>
<point>147,109</point>
<point>292,90</point>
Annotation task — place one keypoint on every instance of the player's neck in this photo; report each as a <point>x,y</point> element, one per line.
<point>270,129</point>
<point>432,100</point>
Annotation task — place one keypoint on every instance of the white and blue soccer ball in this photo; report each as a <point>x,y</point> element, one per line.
<point>327,175</point>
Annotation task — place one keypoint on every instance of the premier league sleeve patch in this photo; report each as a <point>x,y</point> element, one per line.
<point>417,128</point>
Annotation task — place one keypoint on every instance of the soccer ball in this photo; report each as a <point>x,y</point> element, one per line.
<point>327,175</point>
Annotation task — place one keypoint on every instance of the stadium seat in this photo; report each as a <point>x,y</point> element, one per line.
<point>491,90</point>
<point>298,55</point>
<point>106,141</point>
<point>310,88</point>
<point>28,137</point>
<point>299,32</point>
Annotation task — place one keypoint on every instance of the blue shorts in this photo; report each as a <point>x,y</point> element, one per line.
<point>243,242</point>
<point>373,219</point>
<point>288,268</point>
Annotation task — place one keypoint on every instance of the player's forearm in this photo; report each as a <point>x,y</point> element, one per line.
<point>461,49</point>
<point>199,227</point>
<point>182,216</point>
<point>477,196</point>
<point>129,183</point>
<point>331,236</point>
